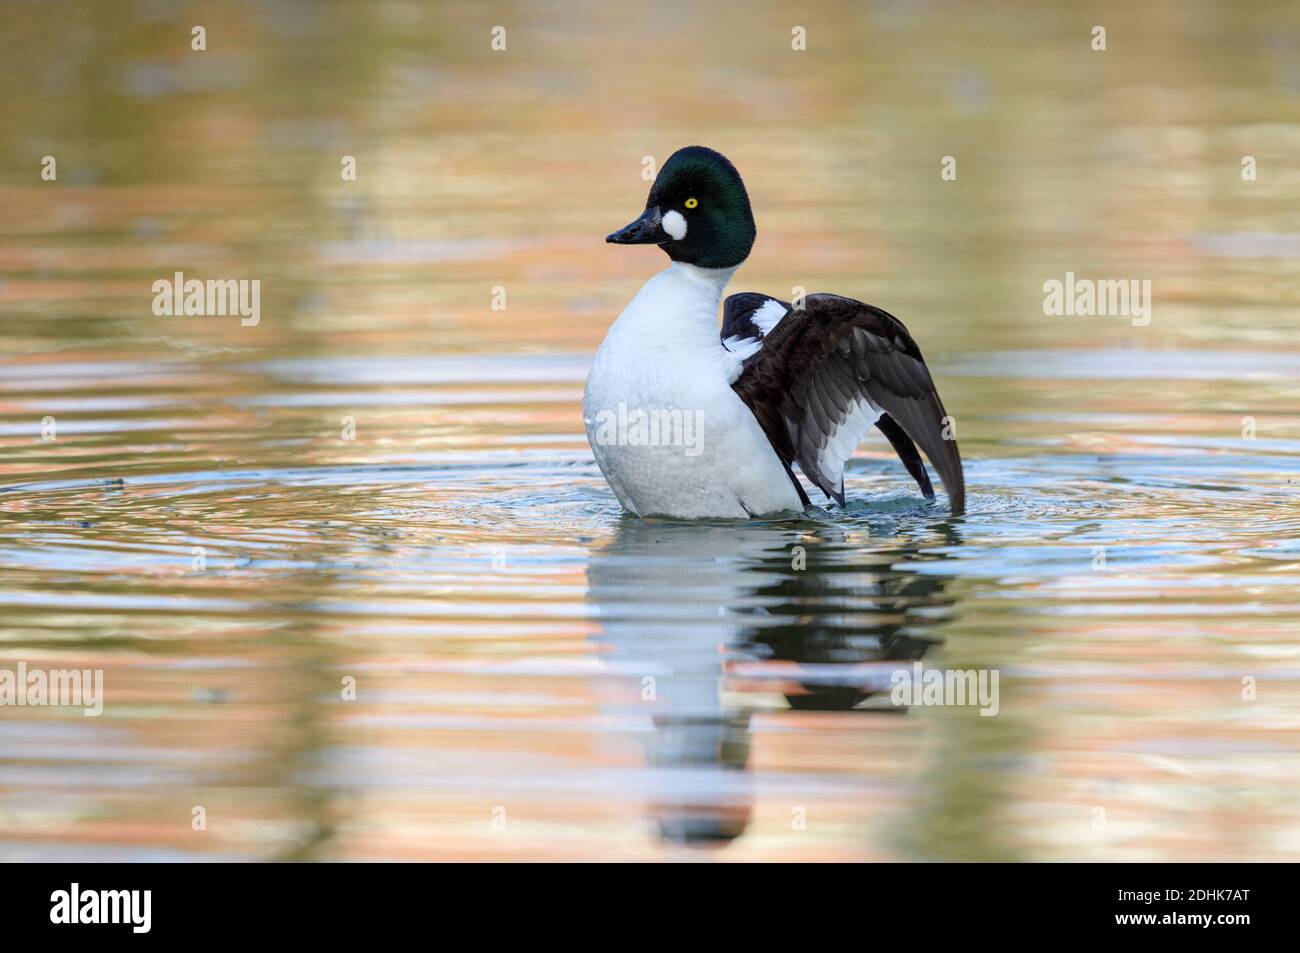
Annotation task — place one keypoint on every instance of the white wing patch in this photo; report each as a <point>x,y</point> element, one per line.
<point>743,347</point>
<point>768,316</point>
<point>736,350</point>
<point>765,318</point>
<point>845,439</point>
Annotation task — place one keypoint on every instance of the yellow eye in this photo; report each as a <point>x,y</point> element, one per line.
<point>692,202</point>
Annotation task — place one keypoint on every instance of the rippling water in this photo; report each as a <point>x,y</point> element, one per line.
<point>385,483</point>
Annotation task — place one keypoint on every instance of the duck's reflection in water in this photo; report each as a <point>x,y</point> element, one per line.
<point>700,616</point>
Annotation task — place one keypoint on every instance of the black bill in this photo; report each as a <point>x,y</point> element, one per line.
<point>646,230</point>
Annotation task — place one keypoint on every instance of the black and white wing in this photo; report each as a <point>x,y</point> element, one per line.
<point>817,380</point>
<point>749,316</point>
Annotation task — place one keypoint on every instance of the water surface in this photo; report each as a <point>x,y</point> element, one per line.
<point>385,482</point>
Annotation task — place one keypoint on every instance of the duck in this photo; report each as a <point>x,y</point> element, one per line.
<point>688,420</point>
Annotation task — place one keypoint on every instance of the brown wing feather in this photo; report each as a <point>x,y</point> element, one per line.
<point>819,363</point>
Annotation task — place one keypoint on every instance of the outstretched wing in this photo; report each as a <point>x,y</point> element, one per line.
<point>822,376</point>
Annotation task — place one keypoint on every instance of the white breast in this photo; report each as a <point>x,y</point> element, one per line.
<point>668,432</point>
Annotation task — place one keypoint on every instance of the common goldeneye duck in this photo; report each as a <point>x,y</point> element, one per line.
<point>690,424</point>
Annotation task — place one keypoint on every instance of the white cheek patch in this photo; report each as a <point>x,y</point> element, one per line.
<point>675,225</point>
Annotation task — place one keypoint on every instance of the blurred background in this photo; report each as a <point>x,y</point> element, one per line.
<point>386,480</point>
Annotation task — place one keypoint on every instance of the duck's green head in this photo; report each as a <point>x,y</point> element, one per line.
<point>698,212</point>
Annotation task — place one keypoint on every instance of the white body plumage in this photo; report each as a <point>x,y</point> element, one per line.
<point>662,363</point>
